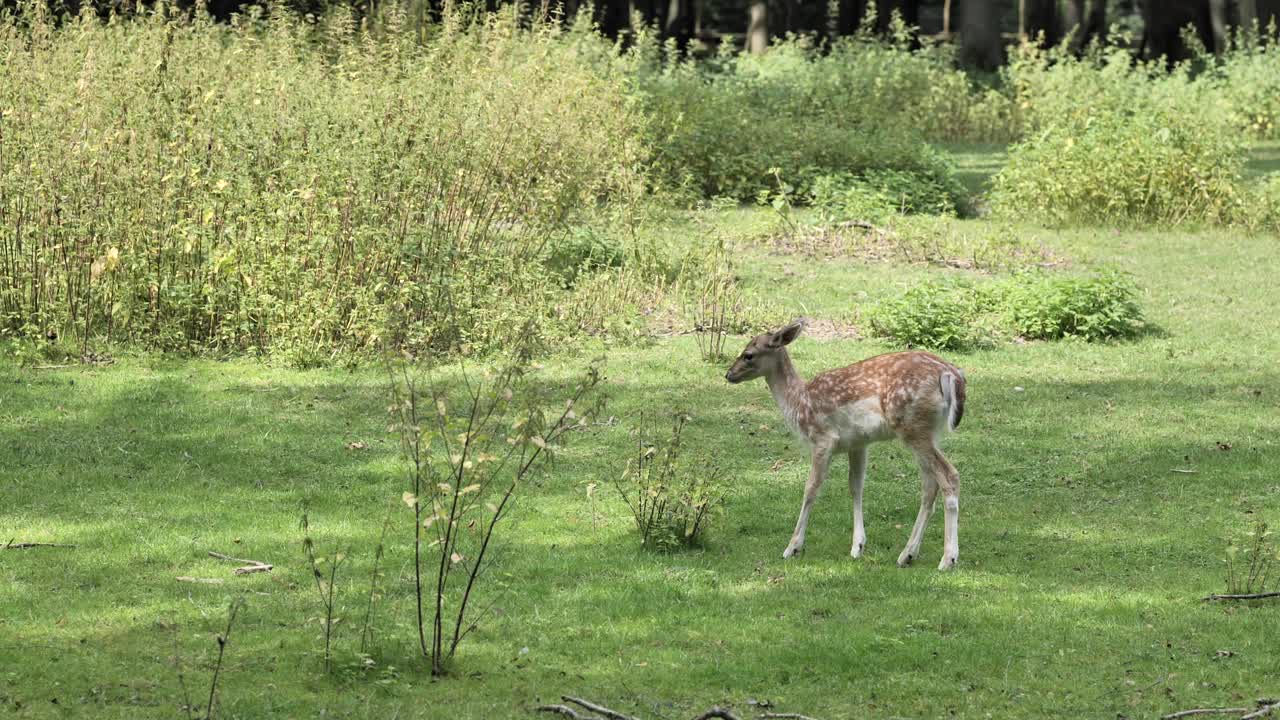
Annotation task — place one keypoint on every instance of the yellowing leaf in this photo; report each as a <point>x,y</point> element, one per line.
<point>409,498</point>
<point>538,441</point>
<point>455,558</point>
<point>445,487</point>
<point>470,489</point>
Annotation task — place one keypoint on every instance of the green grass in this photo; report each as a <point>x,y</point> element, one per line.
<point>1082,555</point>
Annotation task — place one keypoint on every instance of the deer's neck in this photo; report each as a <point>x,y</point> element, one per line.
<point>789,392</point>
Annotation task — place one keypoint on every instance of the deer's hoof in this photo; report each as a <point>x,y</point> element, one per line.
<point>904,560</point>
<point>856,552</point>
<point>948,563</point>
<point>791,550</point>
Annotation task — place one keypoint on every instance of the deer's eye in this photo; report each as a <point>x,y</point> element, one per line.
<point>748,356</point>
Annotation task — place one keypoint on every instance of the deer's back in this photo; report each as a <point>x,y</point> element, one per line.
<point>903,388</point>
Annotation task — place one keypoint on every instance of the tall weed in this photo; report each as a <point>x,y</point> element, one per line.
<point>298,187</point>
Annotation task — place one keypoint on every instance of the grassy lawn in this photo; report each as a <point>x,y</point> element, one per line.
<point>1082,555</point>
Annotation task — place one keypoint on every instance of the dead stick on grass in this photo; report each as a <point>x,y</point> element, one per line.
<point>717,712</point>
<point>1265,708</point>
<point>1249,596</point>
<point>792,716</point>
<point>563,710</point>
<point>247,569</point>
<point>242,561</point>
<point>1204,711</point>
<point>202,581</point>
<point>600,709</point>
<point>11,545</point>
<point>1268,706</point>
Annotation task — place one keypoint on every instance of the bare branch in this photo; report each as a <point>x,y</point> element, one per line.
<point>1268,707</point>
<point>1204,711</point>
<point>564,710</point>
<point>11,545</point>
<point>242,561</point>
<point>717,712</point>
<point>1247,596</point>
<point>600,709</point>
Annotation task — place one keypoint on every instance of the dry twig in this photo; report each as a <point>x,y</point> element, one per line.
<point>717,712</point>
<point>1247,596</point>
<point>202,581</point>
<point>1268,707</point>
<point>792,716</point>
<point>599,709</point>
<point>1265,707</point>
<point>564,710</point>
<point>1204,711</point>
<point>11,545</point>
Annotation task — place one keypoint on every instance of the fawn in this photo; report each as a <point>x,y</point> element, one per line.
<point>914,396</point>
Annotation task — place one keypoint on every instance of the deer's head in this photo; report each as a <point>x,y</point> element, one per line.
<point>763,353</point>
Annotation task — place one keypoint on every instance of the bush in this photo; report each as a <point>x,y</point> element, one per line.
<point>672,502</point>
<point>960,315</point>
<point>1117,142</point>
<point>934,315</point>
<point>737,125</point>
<point>300,188</point>
<point>1042,307</point>
<point>880,193</point>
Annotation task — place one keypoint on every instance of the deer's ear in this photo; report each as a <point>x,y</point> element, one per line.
<point>787,334</point>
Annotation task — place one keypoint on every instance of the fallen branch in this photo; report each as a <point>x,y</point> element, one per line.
<point>203,581</point>
<point>1247,596</point>
<point>564,710</point>
<point>717,712</point>
<point>599,709</point>
<point>792,716</point>
<point>242,561</point>
<point>1265,707</point>
<point>1184,472</point>
<point>11,545</point>
<point>1268,706</point>
<point>250,566</point>
<point>1204,711</point>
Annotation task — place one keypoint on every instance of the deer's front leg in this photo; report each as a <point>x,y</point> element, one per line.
<point>857,474</point>
<point>817,473</point>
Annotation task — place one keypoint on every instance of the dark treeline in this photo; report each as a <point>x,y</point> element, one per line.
<point>982,28</point>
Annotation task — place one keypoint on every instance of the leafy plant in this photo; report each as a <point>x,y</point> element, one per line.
<point>671,503</point>
<point>1110,140</point>
<point>470,441</point>
<point>324,571</point>
<point>1044,307</point>
<point>1249,565</point>
<point>958,315</point>
<point>937,315</point>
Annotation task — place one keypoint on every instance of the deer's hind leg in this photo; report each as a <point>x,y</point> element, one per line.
<point>935,473</point>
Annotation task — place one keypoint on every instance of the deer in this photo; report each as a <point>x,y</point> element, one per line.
<point>914,396</point>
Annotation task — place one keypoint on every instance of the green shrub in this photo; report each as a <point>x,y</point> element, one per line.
<point>934,315</point>
<point>960,315</point>
<point>1116,142</point>
<point>1045,307</point>
<point>301,188</point>
<point>878,193</point>
<point>671,500</point>
<point>735,126</point>
<point>584,249</point>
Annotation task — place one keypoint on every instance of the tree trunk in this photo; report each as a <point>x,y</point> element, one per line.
<point>980,44</point>
<point>1036,17</point>
<point>679,23</point>
<point>1218,24</point>
<point>758,27</point>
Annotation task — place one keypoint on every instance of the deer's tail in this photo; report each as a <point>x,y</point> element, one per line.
<point>953,396</point>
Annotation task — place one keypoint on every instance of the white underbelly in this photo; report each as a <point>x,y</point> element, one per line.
<point>859,423</point>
